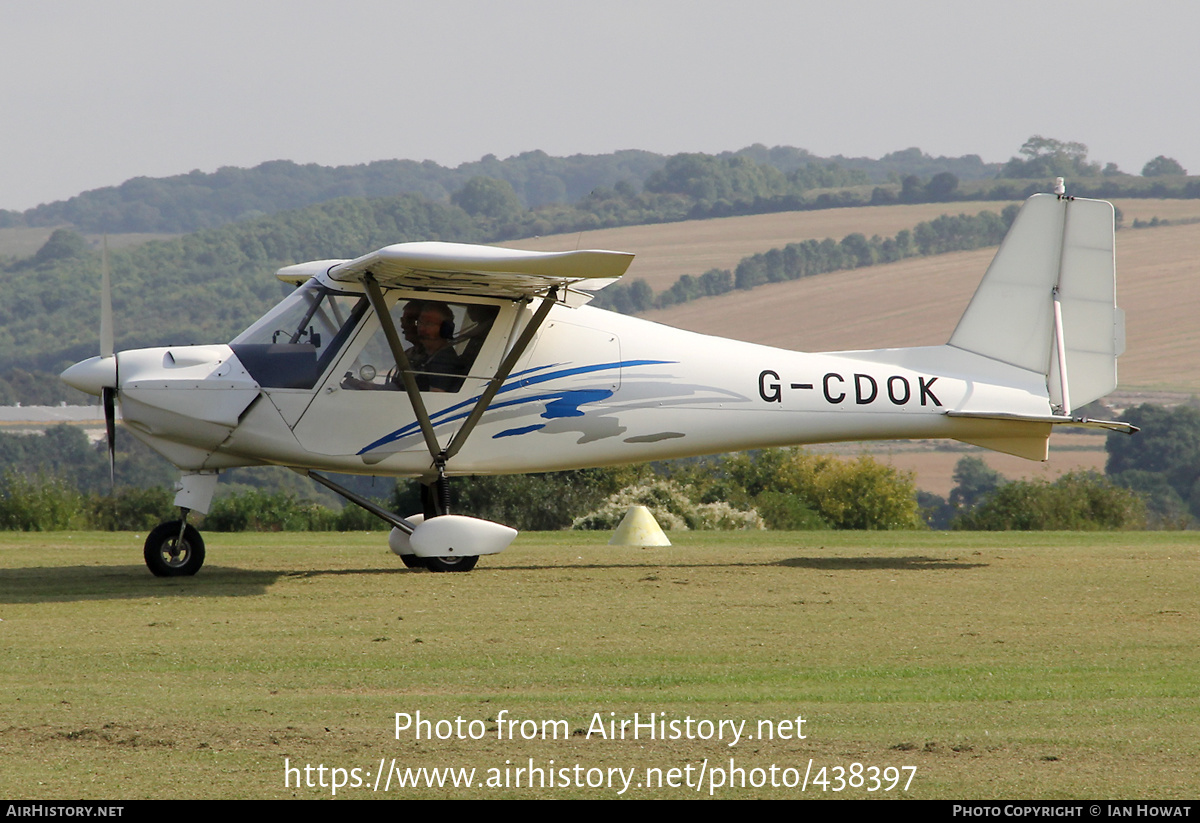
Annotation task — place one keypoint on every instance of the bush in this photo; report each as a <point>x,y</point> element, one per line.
<point>856,494</point>
<point>354,519</point>
<point>527,502</point>
<point>1081,501</point>
<point>788,512</point>
<point>269,512</point>
<point>131,510</point>
<point>38,504</point>
<point>673,506</point>
<point>1165,509</point>
<point>843,494</point>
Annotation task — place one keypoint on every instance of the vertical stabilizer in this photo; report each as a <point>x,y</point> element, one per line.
<point>1063,246</point>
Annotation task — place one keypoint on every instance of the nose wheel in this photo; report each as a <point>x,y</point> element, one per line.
<point>451,564</point>
<point>174,549</point>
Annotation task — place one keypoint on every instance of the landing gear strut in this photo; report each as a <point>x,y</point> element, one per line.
<point>435,499</point>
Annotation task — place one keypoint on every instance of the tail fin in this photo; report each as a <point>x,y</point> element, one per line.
<point>1058,251</point>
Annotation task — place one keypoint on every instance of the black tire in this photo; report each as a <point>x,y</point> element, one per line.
<point>452,564</point>
<point>167,557</point>
<point>411,561</point>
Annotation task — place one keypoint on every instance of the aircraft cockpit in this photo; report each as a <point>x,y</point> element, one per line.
<point>295,343</point>
<point>441,340</point>
<point>291,346</point>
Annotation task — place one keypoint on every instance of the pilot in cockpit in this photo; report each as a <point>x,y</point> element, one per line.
<point>428,330</point>
<point>437,364</point>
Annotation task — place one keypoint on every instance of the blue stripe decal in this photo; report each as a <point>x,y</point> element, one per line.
<point>568,403</point>
<point>522,430</point>
<point>562,406</point>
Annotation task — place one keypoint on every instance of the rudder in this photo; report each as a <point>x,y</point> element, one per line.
<point>1056,245</point>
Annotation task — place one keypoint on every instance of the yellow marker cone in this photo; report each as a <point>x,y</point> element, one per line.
<point>639,528</point>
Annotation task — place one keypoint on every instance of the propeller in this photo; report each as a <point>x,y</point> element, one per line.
<point>98,375</point>
<point>108,393</point>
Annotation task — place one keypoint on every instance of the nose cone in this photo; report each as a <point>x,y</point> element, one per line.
<point>92,375</point>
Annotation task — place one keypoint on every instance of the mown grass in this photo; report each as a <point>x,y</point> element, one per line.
<point>1000,665</point>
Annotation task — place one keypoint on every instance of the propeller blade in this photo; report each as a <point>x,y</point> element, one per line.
<point>106,319</point>
<point>110,428</point>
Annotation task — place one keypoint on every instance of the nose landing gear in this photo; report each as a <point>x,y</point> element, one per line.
<point>174,549</point>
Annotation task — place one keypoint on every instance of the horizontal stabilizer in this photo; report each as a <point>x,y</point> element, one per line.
<point>1052,419</point>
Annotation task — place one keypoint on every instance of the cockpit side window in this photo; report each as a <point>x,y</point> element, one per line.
<point>291,346</point>
<point>442,341</point>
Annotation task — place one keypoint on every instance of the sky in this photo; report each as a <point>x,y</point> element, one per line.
<point>95,93</point>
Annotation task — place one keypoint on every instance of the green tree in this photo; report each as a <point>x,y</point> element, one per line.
<point>974,480</point>
<point>941,186</point>
<point>488,197</point>
<point>911,189</point>
<point>1167,446</point>
<point>844,494</point>
<point>1076,501</point>
<point>1162,166</point>
<point>1047,157</point>
<point>62,244</point>
<point>708,178</point>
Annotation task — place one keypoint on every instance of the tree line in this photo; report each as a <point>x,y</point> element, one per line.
<point>810,257</point>
<point>751,180</point>
<point>199,200</point>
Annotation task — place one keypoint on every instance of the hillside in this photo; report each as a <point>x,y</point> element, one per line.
<point>913,302</point>
<point>918,302</point>
<point>666,251</point>
<point>199,200</point>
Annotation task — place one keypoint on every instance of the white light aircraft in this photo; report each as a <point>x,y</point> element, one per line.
<point>432,360</point>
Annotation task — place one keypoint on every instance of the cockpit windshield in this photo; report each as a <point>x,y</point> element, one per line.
<point>291,345</point>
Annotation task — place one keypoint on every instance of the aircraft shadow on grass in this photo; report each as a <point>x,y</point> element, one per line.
<point>82,583</point>
<point>904,564</point>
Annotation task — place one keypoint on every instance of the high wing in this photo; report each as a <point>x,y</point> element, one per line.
<point>457,268</point>
<point>453,268</point>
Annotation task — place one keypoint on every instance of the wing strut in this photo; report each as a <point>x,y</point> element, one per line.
<point>440,455</point>
<point>506,367</point>
<point>402,363</point>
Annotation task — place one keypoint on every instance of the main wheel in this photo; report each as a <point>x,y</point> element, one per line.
<point>168,556</point>
<point>411,561</point>
<point>452,564</point>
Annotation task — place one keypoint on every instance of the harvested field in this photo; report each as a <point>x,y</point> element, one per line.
<point>1173,210</point>
<point>917,303</point>
<point>932,462</point>
<point>666,251</point>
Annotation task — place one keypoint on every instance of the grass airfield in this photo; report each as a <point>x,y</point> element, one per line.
<point>1002,665</point>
